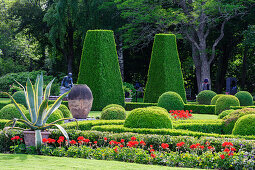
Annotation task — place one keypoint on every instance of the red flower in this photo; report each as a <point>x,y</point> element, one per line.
<point>86,140</point>
<point>230,154</point>
<point>133,138</point>
<point>105,139</point>
<point>180,144</point>
<point>233,149</point>
<point>164,145</point>
<point>95,142</point>
<point>198,144</point>
<point>226,144</point>
<point>210,148</point>
<point>222,156</point>
<point>142,143</point>
<point>116,149</point>
<point>153,155</point>
<point>73,142</point>
<point>81,138</point>
<point>44,140</point>
<point>122,141</point>
<point>152,150</point>
<point>62,138</point>
<point>226,150</point>
<point>51,140</point>
<point>121,146</point>
<point>60,141</point>
<point>151,146</point>
<point>193,146</point>
<point>201,147</point>
<point>21,139</point>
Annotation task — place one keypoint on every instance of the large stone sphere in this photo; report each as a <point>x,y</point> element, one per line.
<point>80,101</point>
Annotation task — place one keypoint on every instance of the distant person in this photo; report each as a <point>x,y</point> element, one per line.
<point>233,88</point>
<point>205,85</point>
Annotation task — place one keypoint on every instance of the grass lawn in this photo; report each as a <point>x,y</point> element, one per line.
<point>22,161</point>
<point>196,116</point>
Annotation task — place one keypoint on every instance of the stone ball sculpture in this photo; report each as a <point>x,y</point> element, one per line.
<point>80,101</point>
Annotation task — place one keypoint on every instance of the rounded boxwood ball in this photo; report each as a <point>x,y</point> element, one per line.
<point>245,98</point>
<point>53,117</point>
<point>10,111</point>
<point>230,119</point>
<point>224,102</point>
<point>205,97</point>
<point>112,105</point>
<point>156,107</point>
<point>113,113</point>
<point>148,118</point>
<point>20,98</point>
<point>225,113</point>
<point>171,101</point>
<point>215,98</point>
<point>245,126</point>
<point>65,111</point>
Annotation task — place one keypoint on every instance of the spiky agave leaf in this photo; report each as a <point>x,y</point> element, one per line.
<point>31,100</point>
<point>38,138</point>
<point>61,129</point>
<point>39,91</point>
<point>54,107</point>
<point>42,111</point>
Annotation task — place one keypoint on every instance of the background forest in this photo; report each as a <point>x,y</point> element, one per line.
<point>215,37</point>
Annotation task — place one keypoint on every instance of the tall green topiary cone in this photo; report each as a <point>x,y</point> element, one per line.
<point>165,69</point>
<point>99,69</point>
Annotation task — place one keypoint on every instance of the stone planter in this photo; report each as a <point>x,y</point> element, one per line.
<point>80,101</point>
<point>29,137</point>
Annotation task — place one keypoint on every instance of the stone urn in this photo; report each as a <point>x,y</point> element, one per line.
<point>29,137</point>
<point>80,101</point>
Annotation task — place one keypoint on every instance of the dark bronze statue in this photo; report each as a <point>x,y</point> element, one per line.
<point>67,84</point>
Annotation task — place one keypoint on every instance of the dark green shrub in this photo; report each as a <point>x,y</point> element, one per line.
<point>205,97</point>
<point>20,98</point>
<point>134,105</point>
<point>113,113</point>
<point>10,111</point>
<point>245,98</point>
<point>112,105</point>
<point>225,113</point>
<point>171,101</point>
<point>148,118</point>
<point>165,69</point>
<point>245,125</point>
<point>201,109</point>
<point>65,111</point>
<point>21,77</point>
<point>224,103</point>
<point>99,69</point>
<point>231,118</point>
<point>215,98</point>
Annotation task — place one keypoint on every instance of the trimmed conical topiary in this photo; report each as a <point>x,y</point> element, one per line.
<point>99,69</point>
<point>165,69</point>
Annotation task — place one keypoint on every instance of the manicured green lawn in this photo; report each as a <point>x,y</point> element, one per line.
<point>196,116</point>
<point>22,161</point>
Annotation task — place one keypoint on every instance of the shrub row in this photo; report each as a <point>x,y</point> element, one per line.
<point>240,107</point>
<point>172,132</point>
<point>18,124</point>
<point>201,127</point>
<point>4,103</point>
<point>202,109</point>
<point>87,125</point>
<point>155,140</point>
<point>133,105</point>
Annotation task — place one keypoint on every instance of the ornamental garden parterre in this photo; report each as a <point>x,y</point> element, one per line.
<point>215,132</point>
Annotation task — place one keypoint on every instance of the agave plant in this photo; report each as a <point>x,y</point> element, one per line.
<point>38,108</point>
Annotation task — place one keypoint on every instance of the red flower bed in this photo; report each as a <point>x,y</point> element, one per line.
<point>181,114</point>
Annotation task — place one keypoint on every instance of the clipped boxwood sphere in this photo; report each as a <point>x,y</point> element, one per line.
<point>65,111</point>
<point>10,111</point>
<point>224,103</point>
<point>53,117</point>
<point>20,98</point>
<point>245,98</point>
<point>156,107</point>
<point>171,101</point>
<point>215,98</point>
<point>245,126</point>
<point>205,97</point>
<point>113,113</point>
<point>225,113</point>
<point>230,119</point>
<point>112,105</point>
<point>148,118</point>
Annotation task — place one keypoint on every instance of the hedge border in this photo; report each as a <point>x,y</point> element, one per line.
<point>201,109</point>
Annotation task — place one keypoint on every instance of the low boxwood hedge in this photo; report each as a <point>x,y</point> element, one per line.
<point>133,105</point>
<point>240,107</point>
<point>172,132</point>
<point>202,109</point>
<point>4,103</point>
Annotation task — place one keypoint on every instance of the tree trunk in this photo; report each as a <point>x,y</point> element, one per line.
<point>244,68</point>
<point>70,53</point>
<point>121,60</point>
